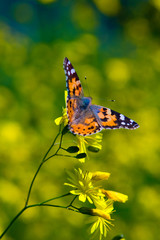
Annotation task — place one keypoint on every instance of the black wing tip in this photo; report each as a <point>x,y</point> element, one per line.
<point>134,126</point>
<point>65,63</point>
<point>65,60</point>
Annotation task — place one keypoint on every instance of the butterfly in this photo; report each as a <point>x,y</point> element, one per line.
<point>84,118</point>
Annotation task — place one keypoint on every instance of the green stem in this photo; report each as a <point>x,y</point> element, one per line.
<point>45,205</point>
<point>59,155</point>
<point>60,144</point>
<point>70,205</point>
<point>51,199</point>
<point>13,220</point>
<point>65,155</point>
<point>41,164</point>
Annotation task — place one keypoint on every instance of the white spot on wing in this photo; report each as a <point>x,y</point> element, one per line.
<point>72,71</point>
<point>122,117</point>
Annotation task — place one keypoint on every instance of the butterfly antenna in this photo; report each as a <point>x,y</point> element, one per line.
<point>87,86</point>
<point>109,100</point>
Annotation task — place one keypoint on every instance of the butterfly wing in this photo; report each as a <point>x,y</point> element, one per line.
<point>110,119</point>
<point>81,121</point>
<point>73,83</point>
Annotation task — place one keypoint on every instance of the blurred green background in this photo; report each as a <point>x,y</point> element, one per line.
<point>116,45</point>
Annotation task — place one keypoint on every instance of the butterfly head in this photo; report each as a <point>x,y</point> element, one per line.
<point>86,101</point>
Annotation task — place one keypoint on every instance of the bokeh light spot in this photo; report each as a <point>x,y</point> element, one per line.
<point>156,3</point>
<point>142,232</point>
<point>11,132</point>
<point>117,70</point>
<point>8,190</point>
<point>82,20</point>
<point>85,45</point>
<point>108,7</point>
<point>6,100</point>
<point>156,59</point>
<point>23,12</point>
<point>149,198</point>
<point>138,29</point>
<point>46,1</point>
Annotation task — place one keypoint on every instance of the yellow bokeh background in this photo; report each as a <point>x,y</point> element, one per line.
<point>116,46</point>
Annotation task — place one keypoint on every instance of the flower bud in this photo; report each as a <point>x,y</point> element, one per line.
<point>96,176</point>
<point>115,196</point>
<point>95,212</point>
<point>85,210</point>
<point>100,213</point>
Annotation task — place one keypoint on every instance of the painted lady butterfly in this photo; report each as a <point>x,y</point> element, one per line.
<point>85,118</point>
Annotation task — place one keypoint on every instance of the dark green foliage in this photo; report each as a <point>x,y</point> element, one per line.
<point>72,149</point>
<point>81,155</point>
<point>65,130</point>
<point>93,149</point>
<point>118,237</point>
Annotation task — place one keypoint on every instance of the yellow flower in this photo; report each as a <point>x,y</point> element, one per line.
<point>63,119</point>
<point>91,143</point>
<point>102,220</point>
<point>94,142</point>
<point>115,196</point>
<point>81,146</point>
<point>83,186</point>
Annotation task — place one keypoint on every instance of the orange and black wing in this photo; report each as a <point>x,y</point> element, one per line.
<point>110,119</point>
<point>81,121</point>
<point>73,83</point>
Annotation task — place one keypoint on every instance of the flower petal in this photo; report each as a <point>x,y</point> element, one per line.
<point>82,197</point>
<point>115,196</point>
<point>94,226</point>
<point>58,120</point>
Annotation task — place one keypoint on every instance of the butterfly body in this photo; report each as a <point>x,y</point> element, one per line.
<point>85,118</point>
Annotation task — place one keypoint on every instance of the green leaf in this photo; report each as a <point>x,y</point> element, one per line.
<point>65,130</point>
<point>72,149</point>
<point>93,149</point>
<point>81,155</point>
